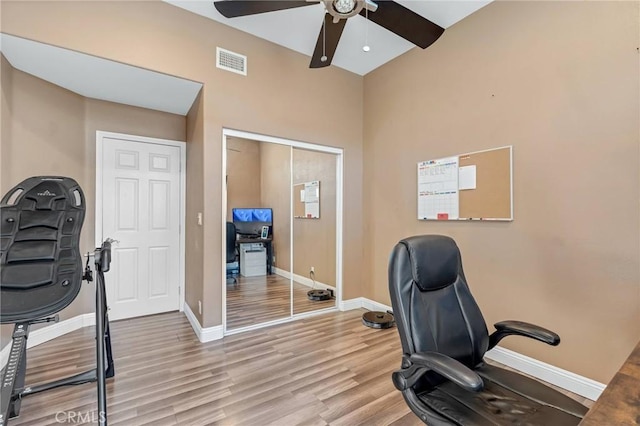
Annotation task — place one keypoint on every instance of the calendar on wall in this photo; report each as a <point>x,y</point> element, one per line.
<point>438,189</point>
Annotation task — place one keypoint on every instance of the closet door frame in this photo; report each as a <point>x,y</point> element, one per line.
<point>339,152</point>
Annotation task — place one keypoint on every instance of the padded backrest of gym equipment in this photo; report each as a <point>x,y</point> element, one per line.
<point>40,262</point>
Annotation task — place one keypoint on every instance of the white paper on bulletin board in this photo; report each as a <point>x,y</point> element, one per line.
<point>438,189</point>
<point>312,192</point>
<point>467,177</point>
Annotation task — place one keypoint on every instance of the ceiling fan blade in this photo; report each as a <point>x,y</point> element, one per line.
<point>327,43</point>
<point>404,22</point>
<point>235,8</point>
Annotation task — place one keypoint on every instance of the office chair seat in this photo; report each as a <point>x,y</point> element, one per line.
<point>443,376</point>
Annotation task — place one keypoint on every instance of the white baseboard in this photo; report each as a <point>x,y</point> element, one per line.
<point>304,280</point>
<point>204,334</point>
<point>370,305</point>
<point>50,332</point>
<point>363,302</point>
<point>351,304</point>
<point>564,379</point>
<point>572,382</point>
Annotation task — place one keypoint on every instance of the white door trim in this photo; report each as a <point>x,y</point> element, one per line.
<point>339,205</point>
<point>100,135</point>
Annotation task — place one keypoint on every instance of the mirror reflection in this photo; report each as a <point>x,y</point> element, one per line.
<point>258,232</point>
<point>306,200</point>
<point>314,241</point>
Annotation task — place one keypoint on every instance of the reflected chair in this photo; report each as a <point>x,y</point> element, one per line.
<point>443,377</point>
<point>232,260</point>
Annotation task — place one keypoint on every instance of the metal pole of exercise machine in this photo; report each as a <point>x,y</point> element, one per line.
<point>102,262</point>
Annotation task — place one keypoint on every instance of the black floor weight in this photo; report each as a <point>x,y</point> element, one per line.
<point>41,274</point>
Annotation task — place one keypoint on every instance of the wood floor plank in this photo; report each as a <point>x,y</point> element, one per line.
<point>322,370</point>
<point>255,300</point>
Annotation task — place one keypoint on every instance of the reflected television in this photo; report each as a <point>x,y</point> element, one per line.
<point>249,221</point>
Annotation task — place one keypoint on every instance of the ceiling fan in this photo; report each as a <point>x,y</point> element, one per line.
<point>388,14</point>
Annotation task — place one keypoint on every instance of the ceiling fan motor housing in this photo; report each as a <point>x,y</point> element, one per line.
<point>343,9</point>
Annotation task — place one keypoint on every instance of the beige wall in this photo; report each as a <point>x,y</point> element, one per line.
<point>275,181</point>
<point>46,125</point>
<point>51,131</point>
<point>314,240</point>
<point>243,174</point>
<point>6,73</point>
<point>560,82</point>
<point>280,96</point>
<point>194,245</point>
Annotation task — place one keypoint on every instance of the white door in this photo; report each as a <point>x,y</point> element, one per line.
<point>141,210</point>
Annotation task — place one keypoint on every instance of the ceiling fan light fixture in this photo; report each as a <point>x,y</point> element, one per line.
<point>344,9</point>
<point>344,6</point>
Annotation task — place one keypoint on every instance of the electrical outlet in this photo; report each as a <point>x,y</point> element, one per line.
<point>274,260</point>
<point>312,269</point>
<point>200,306</point>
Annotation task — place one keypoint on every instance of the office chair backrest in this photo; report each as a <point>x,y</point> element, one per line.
<point>231,242</point>
<point>432,304</point>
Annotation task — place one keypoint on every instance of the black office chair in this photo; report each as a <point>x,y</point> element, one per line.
<point>231,252</point>
<point>443,377</point>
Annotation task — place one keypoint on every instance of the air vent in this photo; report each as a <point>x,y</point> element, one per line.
<point>231,61</point>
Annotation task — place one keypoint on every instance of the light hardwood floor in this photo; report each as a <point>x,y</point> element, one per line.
<point>254,300</point>
<point>326,369</point>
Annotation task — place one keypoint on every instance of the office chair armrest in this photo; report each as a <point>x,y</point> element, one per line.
<point>519,328</point>
<point>447,367</point>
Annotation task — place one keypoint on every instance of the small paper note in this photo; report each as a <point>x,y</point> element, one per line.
<point>467,177</point>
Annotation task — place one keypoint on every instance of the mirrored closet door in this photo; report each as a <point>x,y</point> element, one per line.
<point>282,228</point>
<point>314,230</point>
<point>258,288</point>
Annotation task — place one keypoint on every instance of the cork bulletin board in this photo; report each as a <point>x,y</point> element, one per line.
<point>306,203</point>
<point>472,186</point>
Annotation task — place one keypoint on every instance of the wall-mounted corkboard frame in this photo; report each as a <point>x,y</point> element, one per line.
<point>473,186</point>
<point>306,203</point>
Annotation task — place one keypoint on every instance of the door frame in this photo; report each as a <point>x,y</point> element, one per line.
<point>100,136</point>
<point>339,152</point>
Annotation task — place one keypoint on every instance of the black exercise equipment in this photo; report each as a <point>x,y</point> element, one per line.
<point>41,273</point>
<point>443,377</point>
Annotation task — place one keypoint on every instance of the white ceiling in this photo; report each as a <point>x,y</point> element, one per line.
<point>99,78</point>
<point>298,29</point>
